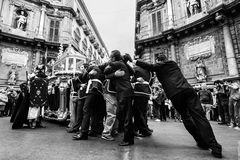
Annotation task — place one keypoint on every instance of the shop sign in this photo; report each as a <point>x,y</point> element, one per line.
<point>14,56</point>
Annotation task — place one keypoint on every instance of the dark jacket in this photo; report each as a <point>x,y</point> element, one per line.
<point>123,84</point>
<point>95,85</point>
<point>142,88</point>
<point>169,75</point>
<point>205,97</point>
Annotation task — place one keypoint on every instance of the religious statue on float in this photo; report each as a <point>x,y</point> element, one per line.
<point>21,19</point>
<point>201,71</point>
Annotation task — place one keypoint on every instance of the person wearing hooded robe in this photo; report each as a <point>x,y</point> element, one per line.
<point>22,108</point>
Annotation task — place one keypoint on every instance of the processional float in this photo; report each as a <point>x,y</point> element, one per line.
<point>67,65</point>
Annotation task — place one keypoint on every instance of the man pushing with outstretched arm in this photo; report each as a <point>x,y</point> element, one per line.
<point>186,102</point>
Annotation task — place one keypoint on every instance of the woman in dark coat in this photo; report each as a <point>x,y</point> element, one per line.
<point>15,107</point>
<point>23,106</point>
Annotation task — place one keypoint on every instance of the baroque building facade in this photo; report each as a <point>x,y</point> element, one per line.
<point>202,36</point>
<point>33,32</point>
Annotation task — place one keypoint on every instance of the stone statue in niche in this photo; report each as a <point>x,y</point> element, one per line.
<point>21,19</point>
<point>193,7</point>
<point>12,76</point>
<point>201,71</point>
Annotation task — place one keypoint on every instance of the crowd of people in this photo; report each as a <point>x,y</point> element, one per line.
<point>222,102</point>
<point>8,97</point>
<point>118,96</point>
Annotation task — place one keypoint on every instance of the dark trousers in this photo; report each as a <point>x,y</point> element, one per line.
<point>92,101</point>
<point>125,116</point>
<point>79,114</point>
<point>223,110</point>
<point>140,106</point>
<point>187,103</point>
<point>156,109</point>
<point>163,112</point>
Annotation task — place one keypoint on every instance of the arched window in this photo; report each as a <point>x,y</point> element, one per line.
<point>77,35</point>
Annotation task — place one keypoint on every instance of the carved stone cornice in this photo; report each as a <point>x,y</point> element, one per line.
<point>156,4</point>
<point>21,5</point>
<point>49,5</point>
<point>55,13</point>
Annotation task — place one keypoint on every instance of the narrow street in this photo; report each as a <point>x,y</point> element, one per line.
<point>169,141</point>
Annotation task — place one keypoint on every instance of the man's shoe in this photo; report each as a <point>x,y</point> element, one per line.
<point>114,133</point>
<point>150,130</point>
<point>80,136</point>
<point>123,143</point>
<point>70,130</point>
<point>107,137</point>
<point>221,123</point>
<point>145,134</point>
<point>237,128</point>
<point>92,134</point>
<point>232,125</point>
<point>202,146</point>
<point>216,150</point>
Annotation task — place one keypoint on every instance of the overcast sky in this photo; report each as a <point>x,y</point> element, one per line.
<point>115,21</point>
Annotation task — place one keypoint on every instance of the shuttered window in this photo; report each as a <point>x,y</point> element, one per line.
<point>156,23</point>
<point>54,31</point>
<point>159,22</point>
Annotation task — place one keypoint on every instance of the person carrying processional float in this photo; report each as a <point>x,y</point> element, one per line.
<point>38,97</point>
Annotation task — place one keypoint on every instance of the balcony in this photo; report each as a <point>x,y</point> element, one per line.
<point>96,45</point>
<point>86,30</point>
<point>99,50</point>
<point>146,32</point>
<point>29,34</point>
<point>92,39</point>
<point>102,55</point>
<point>80,21</point>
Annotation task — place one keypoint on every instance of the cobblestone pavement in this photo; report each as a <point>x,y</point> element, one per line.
<point>170,141</point>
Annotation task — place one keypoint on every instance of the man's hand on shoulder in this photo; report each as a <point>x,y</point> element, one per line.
<point>119,73</point>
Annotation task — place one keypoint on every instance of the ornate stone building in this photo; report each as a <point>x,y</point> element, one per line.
<point>202,36</point>
<point>35,31</point>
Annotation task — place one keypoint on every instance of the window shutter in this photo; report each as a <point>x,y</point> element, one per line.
<point>154,24</point>
<point>56,34</point>
<point>54,31</point>
<point>159,21</point>
<point>51,30</point>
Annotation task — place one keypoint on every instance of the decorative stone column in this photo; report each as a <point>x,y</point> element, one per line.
<point>172,47</point>
<point>41,24</point>
<point>1,8</point>
<point>231,60</point>
<point>37,58</point>
<point>170,14</point>
<point>173,53</point>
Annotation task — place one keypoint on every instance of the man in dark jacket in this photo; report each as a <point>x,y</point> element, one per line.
<point>142,92</point>
<point>124,97</point>
<point>94,105</point>
<point>186,101</point>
